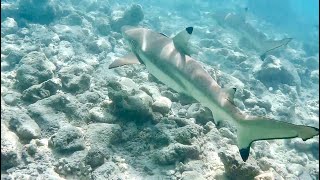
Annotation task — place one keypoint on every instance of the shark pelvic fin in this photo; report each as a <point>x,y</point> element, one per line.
<point>125,60</point>
<point>252,129</point>
<point>230,93</point>
<point>181,40</point>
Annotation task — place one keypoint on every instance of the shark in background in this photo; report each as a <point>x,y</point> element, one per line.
<point>237,22</point>
<point>167,59</point>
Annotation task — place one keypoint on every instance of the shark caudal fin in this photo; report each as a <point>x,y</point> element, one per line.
<point>271,45</point>
<point>260,128</point>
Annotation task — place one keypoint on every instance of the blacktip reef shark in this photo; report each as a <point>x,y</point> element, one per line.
<point>237,22</point>
<point>165,58</point>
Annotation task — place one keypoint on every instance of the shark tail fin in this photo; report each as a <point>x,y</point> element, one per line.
<point>271,45</point>
<point>259,128</point>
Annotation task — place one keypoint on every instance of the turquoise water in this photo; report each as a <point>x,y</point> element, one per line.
<point>289,16</point>
<point>170,89</point>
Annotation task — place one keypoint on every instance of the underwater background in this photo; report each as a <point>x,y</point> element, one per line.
<point>65,115</point>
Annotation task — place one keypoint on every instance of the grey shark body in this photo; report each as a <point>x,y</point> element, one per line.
<point>165,59</point>
<point>237,22</point>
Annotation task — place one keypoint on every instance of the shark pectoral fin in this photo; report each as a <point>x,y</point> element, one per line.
<point>251,129</point>
<point>181,40</point>
<point>125,60</point>
<point>272,45</point>
<point>230,93</point>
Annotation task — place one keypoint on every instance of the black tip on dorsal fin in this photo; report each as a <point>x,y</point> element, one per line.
<point>189,30</point>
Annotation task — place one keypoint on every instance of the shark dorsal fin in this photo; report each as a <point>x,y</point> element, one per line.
<point>181,40</point>
<point>125,60</point>
<point>230,93</point>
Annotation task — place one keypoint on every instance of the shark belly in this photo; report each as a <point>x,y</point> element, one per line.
<point>218,112</point>
<point>175,80</point>
<point>162,75</point>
